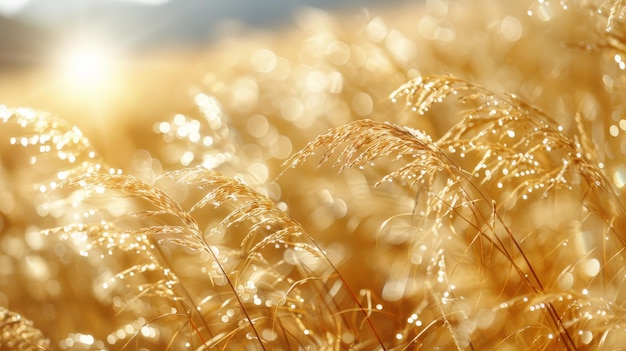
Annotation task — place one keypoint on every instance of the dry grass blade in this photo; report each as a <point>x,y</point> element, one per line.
<point>251,263</point>
<point>498,143</point>
<point>361,142</point>
<point>44,129</point>
<point>614,11</point>
<point>269,229</point>
<point>128,185</point>
<point>514,145</point>
<point>18,333</point>
<point>607,18</point>
<point>610,11</point>
<point>54,139</point>
<point>421,93</point>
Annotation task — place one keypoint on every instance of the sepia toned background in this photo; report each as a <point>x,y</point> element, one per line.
<point>439,173</point>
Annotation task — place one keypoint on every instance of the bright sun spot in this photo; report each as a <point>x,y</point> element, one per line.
<point>86,66</point>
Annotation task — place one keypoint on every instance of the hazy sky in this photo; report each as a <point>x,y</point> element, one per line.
<point>178,21</point>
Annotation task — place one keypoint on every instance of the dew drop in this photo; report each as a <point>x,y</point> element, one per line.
<point>592,267</point>
<point>586,337</point>
<point>566,280</point>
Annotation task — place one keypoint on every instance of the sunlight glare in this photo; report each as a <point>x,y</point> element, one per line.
<point>86,66</point>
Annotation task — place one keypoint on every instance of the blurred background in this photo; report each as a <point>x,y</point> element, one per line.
<point>29,27</point>
<point>95,62</point>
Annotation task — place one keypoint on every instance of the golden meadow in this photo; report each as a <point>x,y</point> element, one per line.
<point>442,175</point>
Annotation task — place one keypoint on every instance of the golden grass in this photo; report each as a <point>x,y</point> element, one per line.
<point>452,216</point>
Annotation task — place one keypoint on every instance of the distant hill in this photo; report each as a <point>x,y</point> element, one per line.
<point>23,44</point>
<point>175,22</point>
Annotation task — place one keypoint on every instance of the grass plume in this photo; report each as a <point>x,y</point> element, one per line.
<point>464,205</point>
<point>443,213</point>
<point>18,333</point>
